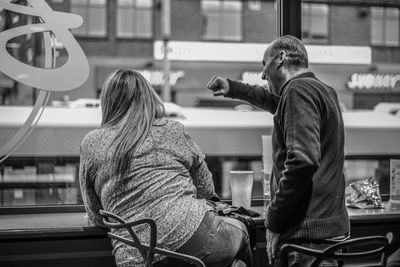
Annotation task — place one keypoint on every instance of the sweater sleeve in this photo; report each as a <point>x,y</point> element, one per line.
<point>255,95</point>
<point>90,199</point>
<point>300,123</point>
<point>202,177</point>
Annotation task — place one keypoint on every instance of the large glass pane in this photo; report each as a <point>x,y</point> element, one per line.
<point>314,19</point>
<point>392,27</point>
<point>143,23</point>
<point>98,2</point>
<point>319,25</point>
<point>358,59</point>
<point>232,5</point>
<point>305,21</point>
<point>82,30</point>
<point>125,3</point>
<point>212,26</point>
<point>210,5</point>
<point>134,20</point>
<point>144,3</point>
<point>97,21</point>
<point>222,20</point>
<point>79,2</point>
<point>231,26</point>
<point>93,13</point>
<point>353,48</point>
<point>126,22</point>
<point>377,25</point>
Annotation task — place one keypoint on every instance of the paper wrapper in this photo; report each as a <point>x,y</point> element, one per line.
<point>364,194</point>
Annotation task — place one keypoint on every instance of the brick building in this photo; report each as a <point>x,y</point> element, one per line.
<point>124,33</point>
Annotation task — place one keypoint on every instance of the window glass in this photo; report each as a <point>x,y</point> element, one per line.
<point>210,5</point>
<point>222,20</point>
<point>353,48</point>
<point>392,29</point>
<point>134,19</point>
<point>377,19</point>
<point>231,26</point>
<point>94,17</point>
<point>315,23</point>
<point>385,27</point>
<point>126,3</point>
<point>79,2</point>
<point>144,3</point>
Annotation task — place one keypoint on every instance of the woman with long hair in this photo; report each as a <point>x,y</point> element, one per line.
<point>140,164</point>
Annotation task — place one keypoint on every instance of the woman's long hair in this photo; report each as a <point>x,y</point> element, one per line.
<point>129,102</point>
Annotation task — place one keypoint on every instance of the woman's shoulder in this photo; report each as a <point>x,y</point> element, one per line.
<point>169,124</point>
<point>95,136</point>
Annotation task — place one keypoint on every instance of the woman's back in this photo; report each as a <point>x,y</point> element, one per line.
<point>167,180</point>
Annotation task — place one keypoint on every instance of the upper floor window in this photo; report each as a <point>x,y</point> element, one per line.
<point>314,23</point>
<point>385,26</point>
<point>222,20</point>
<point>134,18</point>
<point>94,17</point>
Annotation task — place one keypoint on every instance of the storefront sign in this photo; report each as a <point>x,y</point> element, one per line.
<point>372,81</point>
<point>253,52</point>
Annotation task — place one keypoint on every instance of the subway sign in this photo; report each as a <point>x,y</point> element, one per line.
<point>374,81</point>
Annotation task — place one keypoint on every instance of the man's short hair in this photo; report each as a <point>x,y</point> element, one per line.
<point>294,48</point>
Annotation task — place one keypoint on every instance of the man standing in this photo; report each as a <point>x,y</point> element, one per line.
<point>308,198</point>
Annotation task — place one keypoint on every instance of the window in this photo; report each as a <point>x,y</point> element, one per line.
<point>222,20</point>
<point>134,18</point>
<point>314,21</point>
<point>385,26</point>
<point>44,169</point>
<point>94,17</point>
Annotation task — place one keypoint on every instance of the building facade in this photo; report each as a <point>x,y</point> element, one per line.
<point>123,33</point>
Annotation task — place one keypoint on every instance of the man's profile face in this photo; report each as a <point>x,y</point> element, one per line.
<point>269,72</point>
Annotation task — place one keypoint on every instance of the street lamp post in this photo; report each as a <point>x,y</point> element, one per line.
<point>166,33</point>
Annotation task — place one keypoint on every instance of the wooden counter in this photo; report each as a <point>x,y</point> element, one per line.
<point>57,238</point>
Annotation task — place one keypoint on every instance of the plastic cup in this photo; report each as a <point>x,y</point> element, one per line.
<point>267,152</point>
<point>241,187</point>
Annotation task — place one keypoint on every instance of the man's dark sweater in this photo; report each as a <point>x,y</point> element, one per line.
<point>308,196</point>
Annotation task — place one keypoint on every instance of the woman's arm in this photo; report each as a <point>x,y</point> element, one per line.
<point>90,199</point>
<point>202,177</point>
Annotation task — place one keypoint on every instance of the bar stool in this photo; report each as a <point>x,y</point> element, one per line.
<point>374,246</point>
<point>147,251</point>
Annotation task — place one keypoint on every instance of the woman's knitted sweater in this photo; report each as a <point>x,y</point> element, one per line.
<point>167,180</point>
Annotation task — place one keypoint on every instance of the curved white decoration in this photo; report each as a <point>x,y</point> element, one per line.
<point>73,73</point>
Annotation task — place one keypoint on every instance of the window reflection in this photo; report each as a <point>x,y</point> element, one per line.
<point>94,17</point>
<point>222,20</point>
<point>385,26</point>
<point>123,33</point>
<point>314,19</point>
<point>134,18</point>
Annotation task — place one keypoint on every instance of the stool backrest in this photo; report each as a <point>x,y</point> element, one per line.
<point>147,251</point>
<point>341,251</point>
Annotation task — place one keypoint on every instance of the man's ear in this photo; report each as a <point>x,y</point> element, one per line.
<point>281,60</point>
